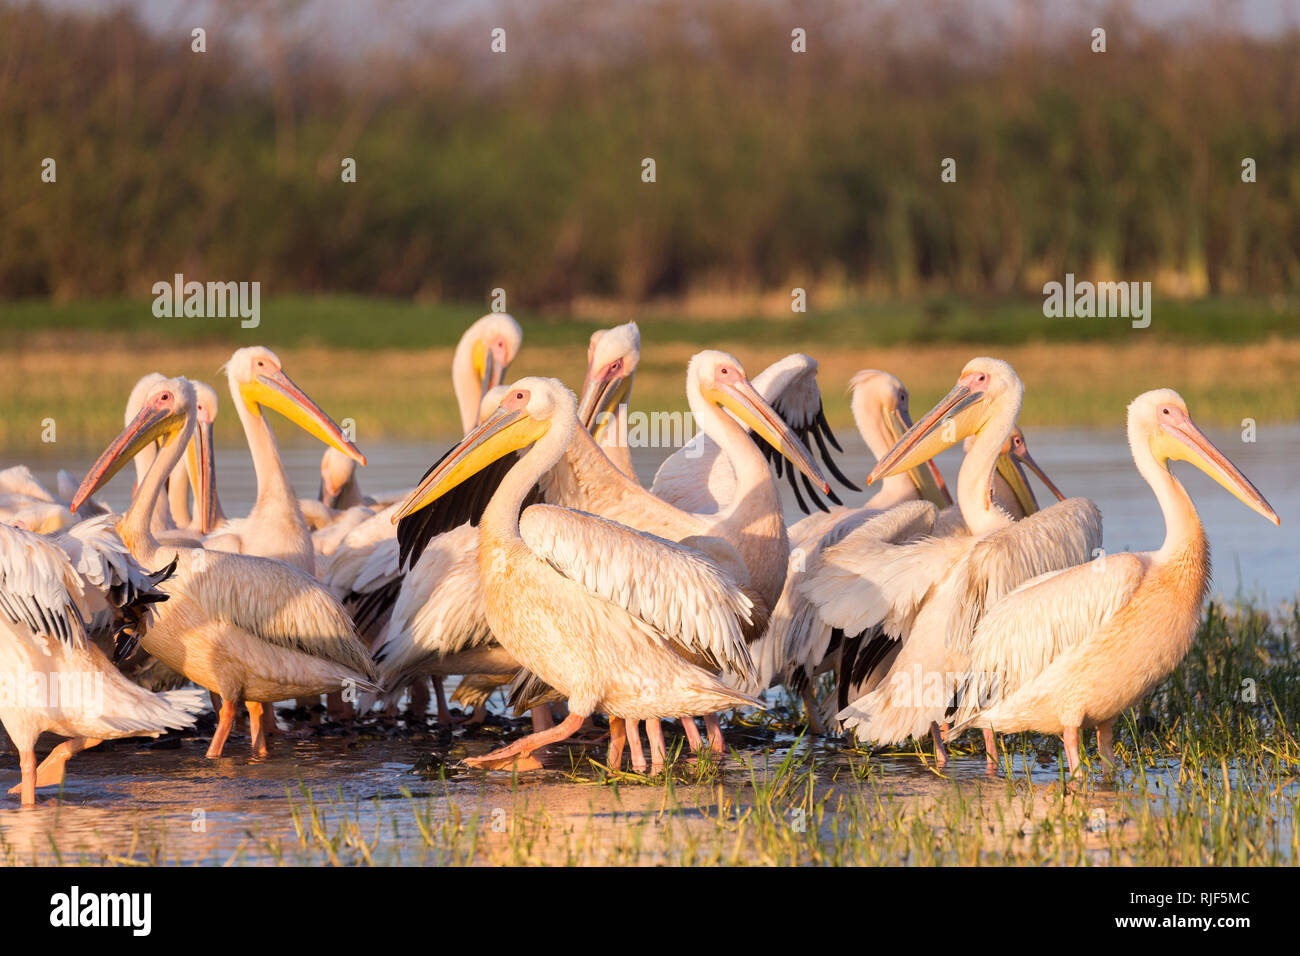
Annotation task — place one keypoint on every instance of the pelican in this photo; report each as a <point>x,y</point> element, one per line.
<point>1076,648</point>
<point>53,678</point>
<point>599,612</point>
<point>26,503</point>
<point>200,455</point>
<point>432,626</point>
<point>699,478</point>
<point>795,633</point>
<point>482,357</point>
<point>275,528</point>
<point>612,358</point>
<point>250,629</point>
<point>928,592</point>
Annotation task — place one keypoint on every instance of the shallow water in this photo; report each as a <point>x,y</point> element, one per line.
<point>166,803</point>
<point>1251,557</point>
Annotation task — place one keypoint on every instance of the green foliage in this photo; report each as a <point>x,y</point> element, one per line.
<point>523,171</point>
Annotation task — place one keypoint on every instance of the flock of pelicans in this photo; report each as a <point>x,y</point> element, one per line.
<point>531,556</point>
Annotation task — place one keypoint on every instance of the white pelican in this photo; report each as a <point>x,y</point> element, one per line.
<point>482,356</point>
<point>796,635</point>
<point>432,625</point>
<point>366,560</point>
<point>800,643</point>
<point>929,592</point>
<point>26,503</point>
<point>1076,648</point>
<point>52,678</point>
<point>612,358</point>
<point>250,629</point>
<point>275,528</point>
<point>200,455</point>
<point>699,478</point>
<point>599,612</point>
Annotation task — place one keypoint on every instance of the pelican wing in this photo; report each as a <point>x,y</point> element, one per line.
<point>699,479</point>
<point>1062,536</point>
<point>682,595</point>
<point>39,587</point>
<point>1029,628</point>
<point>275,602</point>
<point>463,504</point>
<point>439,609</point>
<point>796,634</point>
<point>880,572</point>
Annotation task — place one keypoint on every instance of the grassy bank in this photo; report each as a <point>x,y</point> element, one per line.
<point>385,363</point>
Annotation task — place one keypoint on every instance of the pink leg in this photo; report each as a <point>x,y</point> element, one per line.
<point>1106,744</point>
<point>990,750</point>
<point>257,727</point>
<point>814,720</point>
<point>654,730</point>
<point>940,751</point>
<point>1071,736</point>
<point>506,756</point>
<point>714,728</point>
<point>224,723</point>
<point>617,739</point>
<point>692,734</point>
<point>27,761</point>
<point>444,712</point>
<point>634,745</point>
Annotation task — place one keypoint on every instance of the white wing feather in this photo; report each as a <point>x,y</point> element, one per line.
<point>674,589</point>
<point>40,588</point>
<point>439,609</point>
<point>880,573</point>
<point>1024,632</point>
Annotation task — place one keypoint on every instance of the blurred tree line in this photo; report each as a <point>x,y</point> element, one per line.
<point>774,169</point>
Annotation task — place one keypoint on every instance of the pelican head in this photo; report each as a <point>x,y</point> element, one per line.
<point>337,472</point>
<point>879,406</point>
<point>166,410</point>
<point>984,388</point>
<point>138,392</point>
<point>1159,421</point>
<point>719,379</point>
<point>200,459</point>
<point>527,411</point>
<point>1014,454</point>
<point>612,357</point>
<point>489,346</point>
<point>257,378</point>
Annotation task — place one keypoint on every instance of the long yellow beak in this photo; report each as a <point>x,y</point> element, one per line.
<point>1009,468</point>
<point>927,477</point>
<point>1181,440</point>
<point>491,371</point>
<point>1021,454</point>
<point>201,466</point>
<point>955,417</point>
<point>278,391</point>
<point>601,397</point>
<point>743,401</point>
<point>149,425</point>
<point>502,432</point>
